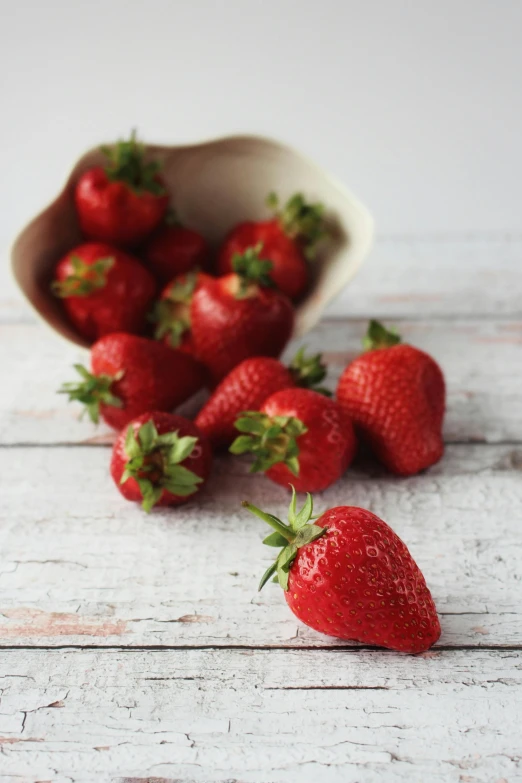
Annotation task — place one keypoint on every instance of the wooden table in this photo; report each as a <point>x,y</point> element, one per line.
<point>136,648</point>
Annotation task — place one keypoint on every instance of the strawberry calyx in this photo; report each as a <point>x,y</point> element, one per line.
<point>272,440</point>
<point>308,371</point>
<point>172,313</point>
<point>154,463</point>
<point>290,537</point>
<point>251,270</point>
<point>85,278</point>
<point>378,336</point>
<point>92,391</point>
<point>126,163</point>
<point>300,220</point>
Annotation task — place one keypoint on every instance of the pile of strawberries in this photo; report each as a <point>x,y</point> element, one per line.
<point>167,317</point>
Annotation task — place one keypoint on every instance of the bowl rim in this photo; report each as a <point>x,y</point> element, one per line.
<point>365,242</point>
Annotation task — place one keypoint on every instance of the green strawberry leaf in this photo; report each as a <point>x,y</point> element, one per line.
<point>378,336</point>
<point>151,454</point>
<point>275,539</point>
<point>270,440</point>
<point>92,391</point>
<point>290,537</point>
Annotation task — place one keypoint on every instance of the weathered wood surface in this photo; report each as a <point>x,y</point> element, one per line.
<point>482,362</point>
<point>80,565</point>
<point>476,274</point>
<point>278,716</point>
<point>181,671</point>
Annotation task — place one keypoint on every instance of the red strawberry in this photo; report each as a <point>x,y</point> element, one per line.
<point>235,316</point>
<point>174,250</point>
<point>288,240</point>
<point>160,459</point>
<point>248,385</point>
<point>349,575</point>
<point>171,313</point>
<point>132,375</point>
<point>126,200</point>
<point>298,437</point>
<point>395,396</point>
<point>103,290</point>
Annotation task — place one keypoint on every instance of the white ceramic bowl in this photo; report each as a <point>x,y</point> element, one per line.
<point>214,185</point>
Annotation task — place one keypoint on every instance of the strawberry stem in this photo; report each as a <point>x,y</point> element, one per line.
<point>378,336</point>
<point>85,278</point>
<point>274,522</point>
<point>92,391</point>
<point>126,163</point>
<point>271,440</point>
<point>309,371</point>
<point>172,314</point>
<point>291,537</point>
<point>154,463</point>
<point>301,220</point>
<point>252,269</point>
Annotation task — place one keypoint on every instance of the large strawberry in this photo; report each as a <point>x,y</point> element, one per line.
<point>174,250</point>
<point>349,575</point>
<point>160,460</point>
<point>248,385</point>
<point>289,240</point>
<point>237,316</point>
<point>395,396</point>
<point>131,375</point>
<point>123,201</point>
<point>103,290</point>
<point>171,313</point>
<point>298,437</point>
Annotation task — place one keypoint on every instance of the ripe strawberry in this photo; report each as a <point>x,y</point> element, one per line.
<point>160,459</point>
<point>103,290</point>
<point>126,200</point>
<point>298,437</point>
<point>174,250</point>
<point>288,240</point>
<point>236,316</point>
<point>171,313</point>
<point>349,575</point>
<point>248,385</point>
<point>132,375</point>
<point>395,397</point>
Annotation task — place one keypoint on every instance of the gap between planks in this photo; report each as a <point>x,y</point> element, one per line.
<point>448,648</point>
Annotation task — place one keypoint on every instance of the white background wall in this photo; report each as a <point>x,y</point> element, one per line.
<point>415,105</point>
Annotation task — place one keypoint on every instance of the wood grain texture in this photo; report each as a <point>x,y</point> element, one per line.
<point>80,565</point>
<point>182,672</point>
<point>482,361</point>
<point>415,277</point>
<point>279,716</point>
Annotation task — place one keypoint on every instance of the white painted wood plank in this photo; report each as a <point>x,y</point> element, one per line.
<point>482,362</point>
<point>80,565</point>
<point>278,716</point>
<point>437,276</point>
<point>403,276</point>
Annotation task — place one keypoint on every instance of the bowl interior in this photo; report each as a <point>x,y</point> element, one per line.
<point>213,185</point>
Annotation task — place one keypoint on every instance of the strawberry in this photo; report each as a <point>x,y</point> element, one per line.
<point>160,459</point>
<point>349,575</point>
<point>103,290</point>
<point>132,375</point>
<point>297,437</point>
<point>171,313</point>
<point>289,240</point>
<point>248,385</point>
<point>395,397</point>
<point>126,200</point>
<point>237,316</point>
<point>174,250</point>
